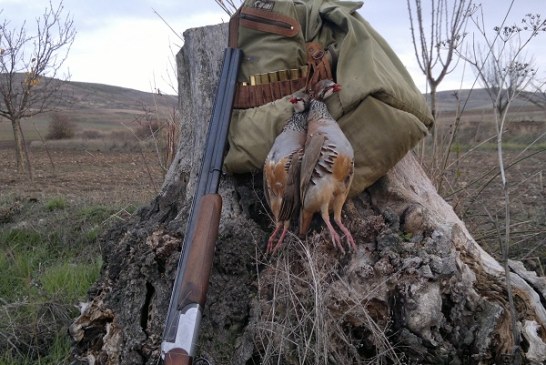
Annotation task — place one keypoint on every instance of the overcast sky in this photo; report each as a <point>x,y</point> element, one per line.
<point>125,43</point>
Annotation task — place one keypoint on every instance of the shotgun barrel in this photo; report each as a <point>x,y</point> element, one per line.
<point>193,271</point>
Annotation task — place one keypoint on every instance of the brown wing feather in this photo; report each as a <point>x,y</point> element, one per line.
<point>291,199</point>
<point>310,159</point>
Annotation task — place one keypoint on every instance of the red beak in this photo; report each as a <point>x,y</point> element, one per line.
<point>336,88</point>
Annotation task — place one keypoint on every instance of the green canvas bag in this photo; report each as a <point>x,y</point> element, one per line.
<point>379,107</point>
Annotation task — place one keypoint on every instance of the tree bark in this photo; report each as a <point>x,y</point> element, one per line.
<point>21,153</point>
<point>418,290</point>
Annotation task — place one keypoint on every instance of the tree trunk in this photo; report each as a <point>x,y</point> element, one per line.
<point>21,153</point>
<point>419,290</point>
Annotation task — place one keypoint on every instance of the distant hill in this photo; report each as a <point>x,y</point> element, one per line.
<point>92,106</point>
<point>78,95</point>
<point>478,100</point>
<point>82,95</point>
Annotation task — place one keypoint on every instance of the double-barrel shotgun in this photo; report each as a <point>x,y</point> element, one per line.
<point>192,276</point>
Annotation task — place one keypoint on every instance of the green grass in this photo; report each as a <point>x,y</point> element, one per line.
<point>70,281</point>
<point>58,354</point>
<point>57,203</point>
<point>49,258</point>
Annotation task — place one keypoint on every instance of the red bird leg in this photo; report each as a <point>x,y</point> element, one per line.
<point>338,205</point>
<point>335,237</point>
<point>348,234</point>
<point>281,238</point>
<point>272,238</point>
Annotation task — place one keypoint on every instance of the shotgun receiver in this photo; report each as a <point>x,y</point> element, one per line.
<point>192,275</point>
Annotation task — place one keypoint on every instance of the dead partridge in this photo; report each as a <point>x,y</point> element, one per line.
<point>282,170</point>
<point>327,167</point>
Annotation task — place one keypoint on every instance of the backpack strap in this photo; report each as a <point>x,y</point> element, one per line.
<point>318,63</point>
<point>268,22</point>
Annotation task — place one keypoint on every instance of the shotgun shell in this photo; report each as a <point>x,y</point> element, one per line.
<point>303,71</point>
<point>264,79</point>
<point>252,80</point>
<point>283,75</point>
<point>273,77</point>
<point>294,73</point>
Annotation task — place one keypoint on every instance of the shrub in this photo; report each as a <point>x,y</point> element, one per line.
<point>91,134</point>
<point>60,127</point>
<point>147,129</point>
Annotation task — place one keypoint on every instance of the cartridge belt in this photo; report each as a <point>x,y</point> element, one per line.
<point>264,88</point>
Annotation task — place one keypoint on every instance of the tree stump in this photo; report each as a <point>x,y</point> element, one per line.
<point>418,290</point>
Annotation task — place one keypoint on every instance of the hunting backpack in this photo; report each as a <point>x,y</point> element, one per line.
<point>289,45</point>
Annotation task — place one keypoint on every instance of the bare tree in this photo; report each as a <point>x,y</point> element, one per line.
<point>500,63</point>
<point>502,67</point>
<point>435,43</point>
<point>29,64</point>
<point>437,31</point>
<point>505,72</point>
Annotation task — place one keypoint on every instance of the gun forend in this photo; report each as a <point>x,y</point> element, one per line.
<point>177,357</point>
<point>195,281</point>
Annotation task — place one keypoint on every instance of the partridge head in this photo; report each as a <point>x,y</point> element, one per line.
<point>325,88</point>
<point>327,167</point>
<point>282,170</point>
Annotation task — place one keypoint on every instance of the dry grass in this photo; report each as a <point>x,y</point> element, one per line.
<point>469,179</point>
<point>311,314</point>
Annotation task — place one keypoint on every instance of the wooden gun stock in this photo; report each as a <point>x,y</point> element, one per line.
<point>196,280</point>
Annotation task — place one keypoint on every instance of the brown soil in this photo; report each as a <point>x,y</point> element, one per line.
<point>122,177</point>
<point>474,189</point>
<point>114,177</point>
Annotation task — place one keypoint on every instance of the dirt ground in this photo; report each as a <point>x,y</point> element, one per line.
<point>474,189</point>
<point>113,177</point>
<point>124,178</point>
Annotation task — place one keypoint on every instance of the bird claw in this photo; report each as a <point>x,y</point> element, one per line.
<point>277,247</point>
<point>336,240</point>
<point>350,242</point>
<point>271,246</point>
<point>271,242</point>
<point>347,235</point>
<point>340,246</point>
<point>271,239</point>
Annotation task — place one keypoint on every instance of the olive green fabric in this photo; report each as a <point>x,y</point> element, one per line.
<point>252,133</point>
<point>379,107</point>
<point>269,51</point>
<point>380,135</point>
